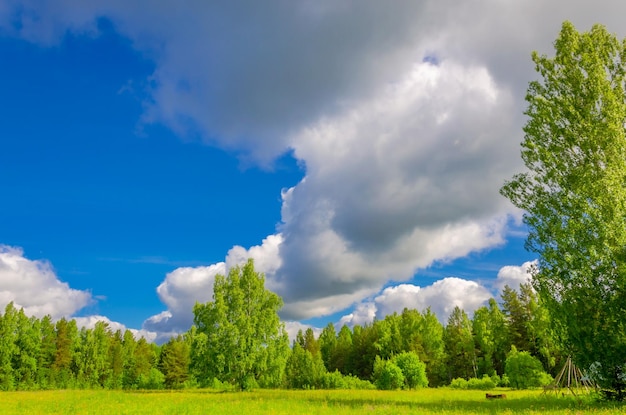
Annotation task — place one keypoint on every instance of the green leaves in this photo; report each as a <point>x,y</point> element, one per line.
<point>240,336</point>
<point>574,193</point>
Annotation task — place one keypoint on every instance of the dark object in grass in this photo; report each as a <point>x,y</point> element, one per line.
<point>496,396</point>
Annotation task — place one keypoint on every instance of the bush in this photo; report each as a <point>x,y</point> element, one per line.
<point>221,386</point>
<point>485,383</point>
<point>458,383</point>
<point>525,371</point>
<point>413,369</point>
<point>154,380</point>
<point>387,375</point>
<point>335,380</point>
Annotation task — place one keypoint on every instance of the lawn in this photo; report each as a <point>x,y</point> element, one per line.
<point>425,401</point>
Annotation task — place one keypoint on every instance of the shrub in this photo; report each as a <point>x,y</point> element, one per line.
<point>154,380</point>
<point>387,375</point>
<point>525,371</point>
<point>335,380</point>
<point>485,383</point>
<point>458,383</point>
<point>413,369</point>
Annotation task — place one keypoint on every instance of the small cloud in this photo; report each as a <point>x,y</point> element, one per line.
<point>513,275</point>
<point>363,313</point>
<point>292,328</point>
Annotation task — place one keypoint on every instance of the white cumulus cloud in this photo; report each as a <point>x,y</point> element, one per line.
<point>514,275</point>
<point>34,286</point>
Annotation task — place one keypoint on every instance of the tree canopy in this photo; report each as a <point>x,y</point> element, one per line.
<point>574,195</point>
<point>240,338</point>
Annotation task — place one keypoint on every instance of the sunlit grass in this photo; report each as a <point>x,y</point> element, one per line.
<point>425,401</point>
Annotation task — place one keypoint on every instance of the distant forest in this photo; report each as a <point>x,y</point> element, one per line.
<point>43,354</point>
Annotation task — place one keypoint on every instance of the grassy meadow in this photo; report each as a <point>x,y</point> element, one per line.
<point>425,401</point>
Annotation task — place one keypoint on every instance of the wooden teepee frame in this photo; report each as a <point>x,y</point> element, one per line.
<point>569,377</point>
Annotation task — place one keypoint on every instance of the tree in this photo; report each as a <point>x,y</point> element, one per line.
<point>8,348</point>
<point>433,347</point>
<point>243,339</point>
<point>91,358</point>
<point>517,318</point>
<point>66,345</point>
<point>28,344</point>
<point>310,343</point>
<point>342,351</point>
<point>303,370</point>
<point>46,353</point>
<point>174,362</point>
<point>328,342</point>
<point>574,196</point>
<point>411,322</point>
<point>459,344</point>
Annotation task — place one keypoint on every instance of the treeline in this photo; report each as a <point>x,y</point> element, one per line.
<point>42,354</point>
<point>412,349</point>
<point>463,348</point>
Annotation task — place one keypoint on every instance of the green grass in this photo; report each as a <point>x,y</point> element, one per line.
<point>425,401</point>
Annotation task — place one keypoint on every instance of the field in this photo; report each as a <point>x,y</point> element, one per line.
<point>426,401</point>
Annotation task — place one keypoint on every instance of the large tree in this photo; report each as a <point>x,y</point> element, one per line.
<point>240,338</point>
<point>459,346</point>
<point>574,196</point>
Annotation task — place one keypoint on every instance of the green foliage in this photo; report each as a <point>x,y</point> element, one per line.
<point>174,362</point>
<point>335,380</point>
<point>491,339</point>
<point>574,195</point>
<point>459,345</point>
<point>525,371</point>
<point>413,369</point>
<point>387,375</point>
<point>328,343</point>
<point>303,370</point>
<point>240,337</point>
<point>485,383</point>
<point>216,384</point>
<point>154,379</point>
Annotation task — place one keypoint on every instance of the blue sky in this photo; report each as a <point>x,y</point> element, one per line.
<point>112,203</point>
<point>355,153</point>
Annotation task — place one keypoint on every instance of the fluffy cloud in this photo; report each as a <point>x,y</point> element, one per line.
<point>442,296</point>
<point>396,182</point>
<point>180,290</point>
<point>513,275</point>
<point>407,117</point>
<point>34,286</point>
<point>363,313</point>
